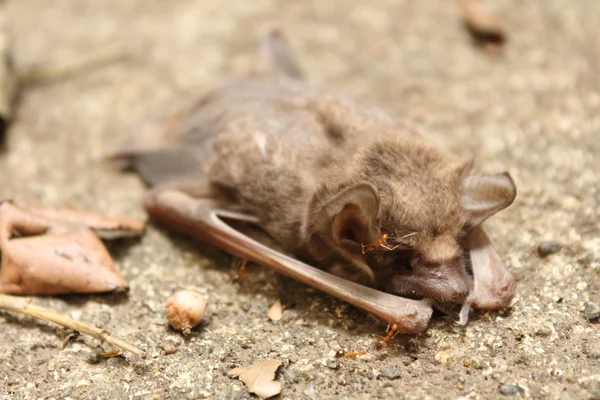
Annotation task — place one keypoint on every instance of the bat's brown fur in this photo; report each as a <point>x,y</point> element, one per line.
<point>325,173</point>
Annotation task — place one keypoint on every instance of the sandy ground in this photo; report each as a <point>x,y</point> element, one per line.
<point>535,111</point>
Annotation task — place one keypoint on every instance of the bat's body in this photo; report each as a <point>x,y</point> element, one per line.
<point>336,182</point>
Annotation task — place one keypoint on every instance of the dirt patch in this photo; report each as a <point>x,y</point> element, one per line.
<point>535,111</point>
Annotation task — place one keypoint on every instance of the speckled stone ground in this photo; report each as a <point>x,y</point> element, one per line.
<point>536,111</point>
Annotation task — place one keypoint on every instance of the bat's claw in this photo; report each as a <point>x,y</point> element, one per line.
<point>240,265</point>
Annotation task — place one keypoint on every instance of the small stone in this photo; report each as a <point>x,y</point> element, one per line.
<point>391,373</point>
<point>223,395</point>
<point>83,383</point>
<point>591,348</point>
<point>309,390</point>
<point>444,357</point>
<point>246,306</point>
<point>475,362</point>
<point>544,329</point>
<point>499,364</point>
<point>94,358</point>
<point>246,344</point>
<point>511,390</point>
<point>169,349</point>
<point>333,364</point>
<point>591,312</point>
<point>548,247</point>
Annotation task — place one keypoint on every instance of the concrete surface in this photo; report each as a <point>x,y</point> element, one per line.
<point>535,111</point>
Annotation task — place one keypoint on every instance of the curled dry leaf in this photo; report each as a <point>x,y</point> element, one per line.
<point>483,27</point>
<point>103,226</point>
<point>275,313</point>
<point>49,251</point>
<point>259,378</point>
<point>185,310</point>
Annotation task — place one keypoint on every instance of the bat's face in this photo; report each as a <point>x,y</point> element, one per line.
<point>422,206</point>
<point>424,267</point>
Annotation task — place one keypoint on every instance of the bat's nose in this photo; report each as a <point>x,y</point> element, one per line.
<point>460,295</point>
<point>445,281</point>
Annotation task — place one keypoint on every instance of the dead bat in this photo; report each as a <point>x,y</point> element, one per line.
<point>393,223</point>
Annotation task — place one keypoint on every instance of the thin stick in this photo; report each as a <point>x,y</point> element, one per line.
<point>40,75</point>
<point>24,306</point>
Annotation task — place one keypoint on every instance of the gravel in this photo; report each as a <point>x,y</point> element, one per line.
<point>535,110</point>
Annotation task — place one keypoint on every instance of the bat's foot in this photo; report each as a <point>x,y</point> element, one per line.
<point>240,267</point>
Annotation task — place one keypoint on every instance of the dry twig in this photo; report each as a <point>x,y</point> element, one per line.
<point>24,306</point>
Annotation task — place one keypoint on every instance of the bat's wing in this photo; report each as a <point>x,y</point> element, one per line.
<point>493,284</point>
<point>159,152</point>
<point>202,218</point>
<point>176,150</point>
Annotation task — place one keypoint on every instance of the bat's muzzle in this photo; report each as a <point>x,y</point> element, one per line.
<point>443,281</point>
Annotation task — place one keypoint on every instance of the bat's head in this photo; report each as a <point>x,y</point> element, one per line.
<point>424,202</point>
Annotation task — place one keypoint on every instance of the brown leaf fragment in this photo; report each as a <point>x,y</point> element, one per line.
<point>275,313</point>
<point>259,378</point>
<point>42,255</point>
<point>103,226</point>
<point>113,353</point>
<point>485,30</point>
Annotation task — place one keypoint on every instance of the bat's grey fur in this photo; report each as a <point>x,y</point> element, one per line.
<point>325,173</point>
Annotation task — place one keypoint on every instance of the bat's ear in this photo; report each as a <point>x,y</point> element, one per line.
<point>482,196</point>
<point>348,218</point>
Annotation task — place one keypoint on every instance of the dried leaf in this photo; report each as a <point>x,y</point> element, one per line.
<point>42,255</point>
<point>103,226</point>
<point>275,313</point>
<point>259,378</point>
<point>483,27</point>
<point>113,353</point>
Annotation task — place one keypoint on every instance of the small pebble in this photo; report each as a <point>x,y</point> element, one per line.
<point>391,373</point>
<point>591,348</point>
<point>543,330</point>
<point>511,390</point>
<point>246,306</point>
<point>333,364</point>
<point>548,247</point>
<point>475,362</point>
<point>444,357</point>
<point>94,358</point>
<point>309,390</point>
<point>169,349</point>
<point>592,312</point>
